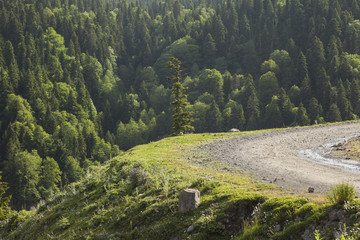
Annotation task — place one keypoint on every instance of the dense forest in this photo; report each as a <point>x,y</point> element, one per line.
<point>81,80</point>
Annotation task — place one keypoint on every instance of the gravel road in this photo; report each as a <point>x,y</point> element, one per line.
<point>289,158</point>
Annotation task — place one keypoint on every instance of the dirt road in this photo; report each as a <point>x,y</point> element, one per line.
<point>279,156</point>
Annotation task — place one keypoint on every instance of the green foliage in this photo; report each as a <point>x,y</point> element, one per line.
<point>4,201</point>
<point>333,114</point>
<point>54,41</point>
<point>269,66</point>
<point>301,116</point>
<point>252,232</point>
<point>341,193</point>
<point>181,117</point>
<point>23,171</point>
<point>96,65</point>
<point>317,235</point>
<point>184,49</point>
<point>199,109</point>
<point>211,81</point>
<point>233,115</point>
<point>131,134</point>
<point>213,115</point>
<point>50,177</point>
<point>268,86</point>
<point>136,196</point>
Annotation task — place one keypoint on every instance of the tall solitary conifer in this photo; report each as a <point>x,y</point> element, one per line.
<point>181,118</point>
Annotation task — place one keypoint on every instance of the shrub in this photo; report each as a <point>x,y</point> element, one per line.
<point>341,193</point>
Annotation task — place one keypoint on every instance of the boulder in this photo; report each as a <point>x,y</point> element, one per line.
<point>311,190</point>
<point>189,199</point>
<point>190,229</point>
<point>234,130</point>
<point>336,215</point>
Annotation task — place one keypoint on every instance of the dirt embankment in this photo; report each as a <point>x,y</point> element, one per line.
<point>293,158</point>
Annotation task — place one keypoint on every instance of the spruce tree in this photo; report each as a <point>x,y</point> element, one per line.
<point>4,201</point>
<point>181,118</point>
<point>214,118</point>
<point>301,116</point>
<point>333,114</point>
<point>315,110</point>
<point>273,117</point>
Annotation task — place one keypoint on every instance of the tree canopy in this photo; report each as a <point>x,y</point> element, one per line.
<point>81,80</point>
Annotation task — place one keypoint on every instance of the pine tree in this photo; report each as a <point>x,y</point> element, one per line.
<point>273,116</point>
<point>4,201</point>
<point>234,115</point>
<point>355,97</point>
<point>214,118</point>
<point>315,110</point>
<point>220,34</point>
<point>343,103</point>
<point>301,116</point>
<point>333,114</point>
<point>245,29</point>
<point>302,69</point>
<point>50,177</point>
<point>209,49</point>
<point>286,107</point>
<point>181,118</point>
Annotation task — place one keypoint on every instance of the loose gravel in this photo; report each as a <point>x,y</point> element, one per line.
<point>278,156</point>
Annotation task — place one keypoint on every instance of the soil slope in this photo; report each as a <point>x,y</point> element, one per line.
<point>275,156</point>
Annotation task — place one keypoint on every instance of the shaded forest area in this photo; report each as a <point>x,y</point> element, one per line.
<point>82,79</point>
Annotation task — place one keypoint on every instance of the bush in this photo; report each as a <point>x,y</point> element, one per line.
<point>341,193</point>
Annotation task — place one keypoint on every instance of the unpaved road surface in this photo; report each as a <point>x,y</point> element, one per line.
<point>276,157</point>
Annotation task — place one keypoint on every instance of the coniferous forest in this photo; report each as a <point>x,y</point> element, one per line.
<point>82,80</point>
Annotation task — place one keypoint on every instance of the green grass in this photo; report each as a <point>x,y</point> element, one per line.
<point>341,193</point>
<point>135,196</point>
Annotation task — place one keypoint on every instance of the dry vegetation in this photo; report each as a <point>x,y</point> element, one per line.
<point>350,149</point>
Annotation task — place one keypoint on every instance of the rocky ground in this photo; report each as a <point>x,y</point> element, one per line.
<point>348,150</point>
<point>278,156</point>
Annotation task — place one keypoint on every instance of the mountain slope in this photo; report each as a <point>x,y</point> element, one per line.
<point>135,196</point>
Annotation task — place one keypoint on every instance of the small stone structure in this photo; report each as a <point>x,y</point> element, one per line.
<point>189,199</point>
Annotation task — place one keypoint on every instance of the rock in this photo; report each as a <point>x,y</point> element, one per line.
<point>311,190</point>
<point>336,215</point>
<point>278,228</point>
<point>101,236</point>
<point>336,235</point>
<point>341,214</point>
<point>333,216</point>
<point>337,145</point>
<point>234,130</point>
<point>189,199</point>
<point>308,233</point>
<point>191,228</point>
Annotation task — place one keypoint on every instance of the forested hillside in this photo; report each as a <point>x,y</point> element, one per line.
<point>81,79</point>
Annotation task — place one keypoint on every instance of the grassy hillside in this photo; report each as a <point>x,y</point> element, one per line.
<point>135,196</point>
